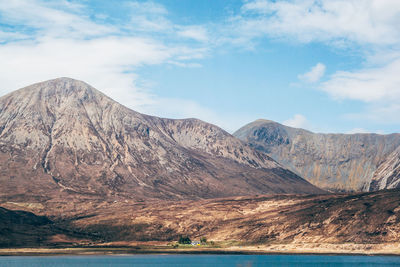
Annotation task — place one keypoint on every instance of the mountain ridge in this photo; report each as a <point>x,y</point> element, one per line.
<point>338,162</point>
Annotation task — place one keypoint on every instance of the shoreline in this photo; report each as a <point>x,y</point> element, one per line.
<point>127,251</point>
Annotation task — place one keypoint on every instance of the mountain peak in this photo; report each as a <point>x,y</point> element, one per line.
<point>63,81</point>
<point>57,96</point>
<point>59,87</point>
<point>262,121</point>
<point>63,86</point>
<point>271,125</point>
<point>251,127</point>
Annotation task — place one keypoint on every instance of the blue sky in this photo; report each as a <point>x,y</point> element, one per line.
<point>327,66</point>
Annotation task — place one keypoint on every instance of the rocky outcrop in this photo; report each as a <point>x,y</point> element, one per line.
<point>388,173</point>
<point>63,136</point>
<point>337,162</point>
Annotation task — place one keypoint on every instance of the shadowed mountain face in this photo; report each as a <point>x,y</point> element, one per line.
<point>21,228</point>
<point>25,229</point>
<point>338,162</point>
<point>65,137</point>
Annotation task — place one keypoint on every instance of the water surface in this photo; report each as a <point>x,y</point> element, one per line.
<point>201,260</point>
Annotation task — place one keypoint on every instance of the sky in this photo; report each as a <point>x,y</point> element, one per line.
<point>324,65</point>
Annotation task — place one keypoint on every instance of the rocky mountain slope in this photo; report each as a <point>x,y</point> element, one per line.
<point>338,162</point>
<point>387,174</point>
<point>63,137</point>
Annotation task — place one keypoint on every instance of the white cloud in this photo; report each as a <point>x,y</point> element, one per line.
<point>298,121</point>
<point>152,17</point>
<point>360,21</point>
<point>362,131</point>
<point>357,130</point>
<point>314,75</point>
<point>198,33</point>
<point>368,85</point>
<point>260,6</point>
<point>57,19</point>
<point>378,87</point>
<point>103,62</point>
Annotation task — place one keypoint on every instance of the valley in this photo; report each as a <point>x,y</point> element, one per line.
<point>342,221</point>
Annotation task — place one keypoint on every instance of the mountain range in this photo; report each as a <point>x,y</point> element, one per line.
<point>64,137</point>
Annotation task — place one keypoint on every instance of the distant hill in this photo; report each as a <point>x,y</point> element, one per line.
<point>338,162</point>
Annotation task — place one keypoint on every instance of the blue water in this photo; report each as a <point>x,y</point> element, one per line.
<point>202,260</point>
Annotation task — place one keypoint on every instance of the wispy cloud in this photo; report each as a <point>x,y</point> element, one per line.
<point>198,33</point>
<point>149,17</point>
<point>149,8</point>
<point>7,36</point>
<point>298,121</point>
<point>357,130</point>
<point>314,75</point>
<point>368,85</point>
<point>56,19</point>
